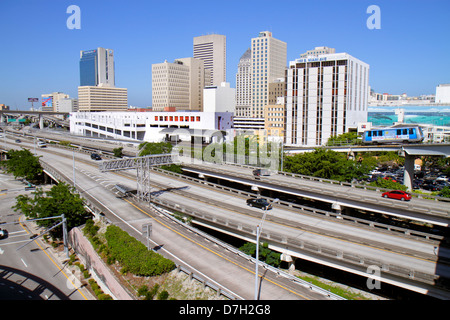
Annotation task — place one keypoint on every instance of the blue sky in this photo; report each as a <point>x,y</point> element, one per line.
<point>39,54</point>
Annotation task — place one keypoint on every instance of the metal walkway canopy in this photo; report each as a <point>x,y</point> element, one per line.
<point>138,162</point>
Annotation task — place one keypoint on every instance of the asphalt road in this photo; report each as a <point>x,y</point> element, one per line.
<point>33,272</point>
<point>96,183</point>
<point>209,261</point>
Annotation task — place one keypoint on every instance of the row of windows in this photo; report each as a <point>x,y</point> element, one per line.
<point>178,118</point>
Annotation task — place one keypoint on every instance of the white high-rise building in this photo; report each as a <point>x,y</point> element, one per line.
<point>269,57</point>
<point>212,49</point>
<point>244,85</point>
<point>326,95</point>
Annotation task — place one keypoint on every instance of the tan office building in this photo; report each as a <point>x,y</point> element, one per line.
<point>212,50</point>
<point>178,85</point>
<point>274,120</point>
<point>92,98</point>
<point>269,58</point>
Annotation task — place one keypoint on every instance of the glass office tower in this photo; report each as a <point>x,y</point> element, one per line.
<point>97,67</point>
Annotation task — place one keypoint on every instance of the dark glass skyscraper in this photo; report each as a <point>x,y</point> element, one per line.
<point>97,67</point>
<point>88,68</point>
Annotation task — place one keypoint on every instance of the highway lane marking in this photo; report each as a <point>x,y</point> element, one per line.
<point>24,263</point>
<point>212,251</point>
<point>307,231</point>
<point>68,279</point>
<point>139,232</point>
<point>348,241</point>
<point>315,233</point>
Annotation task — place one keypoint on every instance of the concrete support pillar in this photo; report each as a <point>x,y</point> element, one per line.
<point>290,260</point>
<point>41,122</point>
<point>408,175</point>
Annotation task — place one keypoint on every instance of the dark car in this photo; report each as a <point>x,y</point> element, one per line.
<point>397,194</point>
<point>95,156</point>
<point>259,203</point>
<point>3,233</point>
<point>18,141</point>
<point>261,172</point>
<point>430,186</point>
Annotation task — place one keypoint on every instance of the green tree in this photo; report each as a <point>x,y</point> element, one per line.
<point>326,164</point>
<point>23,164</point>
<point>388,184</point>
<point>118,152</point>
<point>149,148</point>
<point>445,192</point>
<point>55,202</point>
<point>348,138</point>
<point>265,254</point>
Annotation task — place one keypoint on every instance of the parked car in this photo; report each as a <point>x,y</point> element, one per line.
<point>95,156</point>
<point>259,203</point>
<point>3,233</point>
<point>397,194</point>
<point>430,186</point>
<point>261,172</point>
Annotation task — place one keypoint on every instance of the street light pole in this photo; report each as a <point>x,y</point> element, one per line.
<point>258,233</point>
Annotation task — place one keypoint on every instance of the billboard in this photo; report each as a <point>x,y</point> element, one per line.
<point>33,99</point>
<point>47,102</point>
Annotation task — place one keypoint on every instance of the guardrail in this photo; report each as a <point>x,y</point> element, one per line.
<point>230,248</point>
<point>359,262</point>
<point>194,161</point>
<point>96,209</point>
<point>312,211</point>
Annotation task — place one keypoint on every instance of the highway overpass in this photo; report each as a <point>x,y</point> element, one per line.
<point>404,260</point>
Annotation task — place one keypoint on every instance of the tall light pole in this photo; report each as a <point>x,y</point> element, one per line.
<point>258,233</point>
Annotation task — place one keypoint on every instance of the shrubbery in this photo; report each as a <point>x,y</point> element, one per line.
<point>133,255</point>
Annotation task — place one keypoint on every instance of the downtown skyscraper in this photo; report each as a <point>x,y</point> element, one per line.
<point>97,68</point>
<point>212,49</point>
<point>269,58</point>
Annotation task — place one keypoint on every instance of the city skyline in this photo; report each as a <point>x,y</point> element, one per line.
<point>41,54</point>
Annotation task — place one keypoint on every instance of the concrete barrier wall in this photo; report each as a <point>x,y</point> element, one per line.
<point>94,264</point>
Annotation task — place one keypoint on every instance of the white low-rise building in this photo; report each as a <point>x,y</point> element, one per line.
<point>152,126</point>
<point>443,93</point>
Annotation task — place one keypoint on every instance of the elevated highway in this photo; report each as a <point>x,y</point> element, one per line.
<point>404,261</point>
<point>214,263</point>
<point>339,195</point>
